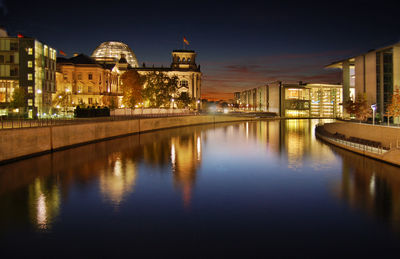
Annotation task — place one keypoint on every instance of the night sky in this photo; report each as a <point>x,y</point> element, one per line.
<point>240,45</point>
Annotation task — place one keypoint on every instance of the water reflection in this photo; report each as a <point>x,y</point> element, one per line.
<point>370,186</point>
<point>44,201</point>
<point>118,179</point>
<point>34,192</point>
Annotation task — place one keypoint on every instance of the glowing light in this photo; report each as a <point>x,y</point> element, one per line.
<point>198,148</point>
<point>226,110</point>
<point>39,91</point>
<point>173,156</point>
<point>41,211</point>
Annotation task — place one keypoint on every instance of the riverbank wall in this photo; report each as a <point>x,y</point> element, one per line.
<point>26,142</point>
<point>387,136</point>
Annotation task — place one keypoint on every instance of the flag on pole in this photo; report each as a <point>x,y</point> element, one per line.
<point>185,41</point>
<point>20,35</point>
<point>62,53</point>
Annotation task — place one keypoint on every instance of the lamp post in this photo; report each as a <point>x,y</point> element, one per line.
<point>373,107</point>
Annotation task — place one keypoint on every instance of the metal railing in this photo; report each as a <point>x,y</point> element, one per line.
<point>17,123</point>
<point>377,149</point>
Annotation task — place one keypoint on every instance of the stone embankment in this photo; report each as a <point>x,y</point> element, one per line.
<point>375,141</point>
<point>26,142</point>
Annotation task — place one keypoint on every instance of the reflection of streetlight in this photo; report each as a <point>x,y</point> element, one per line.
<point>373,107</point>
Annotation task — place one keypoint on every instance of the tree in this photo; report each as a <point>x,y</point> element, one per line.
<point>18,99</point>
<point>131,85</point>
<point>393,108</point>
<point>359,107</point>
<point>184,100</point>
<point>110,101</point>
<point>159,89</point>
<point>362,109</point>
<point>63,100</point>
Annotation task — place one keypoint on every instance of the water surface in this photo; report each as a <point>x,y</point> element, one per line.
<point>249,189</point>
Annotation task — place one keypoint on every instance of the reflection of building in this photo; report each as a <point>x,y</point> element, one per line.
<point>45,203</point>
<point>294,100</point>
<point>28,64</point>
<point>85,80</point>
<point>185,159</point>
<point>375,73</point>
<point>370,185</point>
<point>118,181</point>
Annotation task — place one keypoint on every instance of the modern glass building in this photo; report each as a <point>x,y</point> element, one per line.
<point>110,52</point>
<point>31,65</point>
<point>375,74</point>
<point>294,100</point>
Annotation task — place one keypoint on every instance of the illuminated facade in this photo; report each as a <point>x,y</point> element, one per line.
<point>31,65</point>
<point>185,68</point>
<point>294,100</point>
<point>85,81</point>
<point>375,74</point>
<point>110,52</point>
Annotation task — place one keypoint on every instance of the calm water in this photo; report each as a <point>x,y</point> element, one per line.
<point>256,189</point>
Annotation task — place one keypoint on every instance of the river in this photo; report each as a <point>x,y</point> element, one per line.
<point>248,189</point>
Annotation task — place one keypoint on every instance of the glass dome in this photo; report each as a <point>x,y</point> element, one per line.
<point>111,51</point>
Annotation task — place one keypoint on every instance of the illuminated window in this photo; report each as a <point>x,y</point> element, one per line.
<point>30,77</point>
<point>46,51</point>
<point>188,59</point>
<point>90,100</point>
<point>30,51</point>
<point>183,60</point>
<point>30,102</point>
<point>65,76</point>
<point>30,90</point>
<point>30,64</point>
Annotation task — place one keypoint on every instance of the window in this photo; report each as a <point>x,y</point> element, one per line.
<point>79,76</point>
<point>14,71</point>
<point>90,89</point>
<point>179,59</point>
<point>65,76</point>
<point>183,60</point>
<point>30,51</point>
<point>10,59</point>
<point>30,64</point>
<point>188,59</point>
<point>90,100</point>
<point>1,59</point>
<point>30,102</point>
<point>90,77</point>
<point>13,46</point>
<point>30,90</point>
<point>30,77</point>
<point>183,83</point>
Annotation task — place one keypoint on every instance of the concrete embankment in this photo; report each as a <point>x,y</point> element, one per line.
<point>387,136</point>
<point>26,142</point>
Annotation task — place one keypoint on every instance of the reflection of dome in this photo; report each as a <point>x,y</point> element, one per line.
<point>111,51</point>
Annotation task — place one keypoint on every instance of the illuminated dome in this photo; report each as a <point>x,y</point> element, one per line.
<point>111,51</point>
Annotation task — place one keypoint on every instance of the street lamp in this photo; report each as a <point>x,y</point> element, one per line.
<point>173,105</point>
<point>373,107</point>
